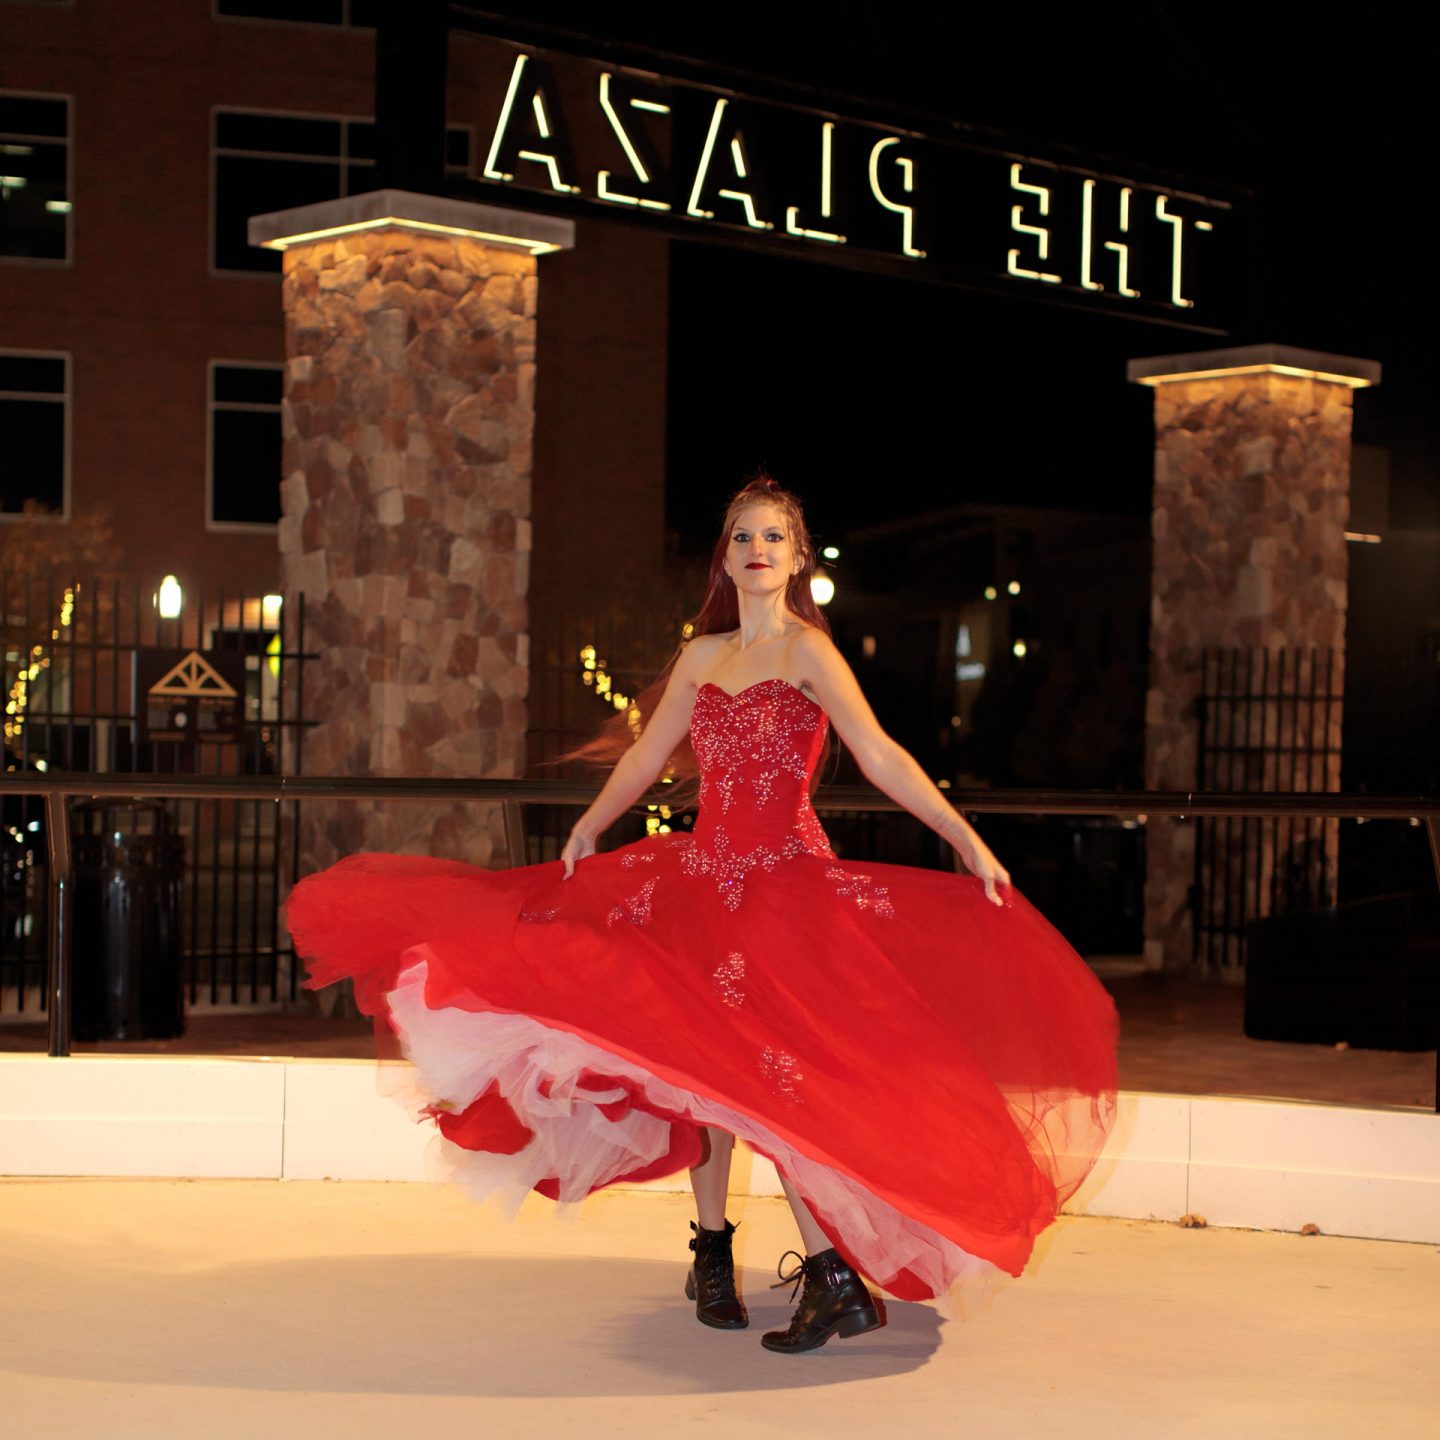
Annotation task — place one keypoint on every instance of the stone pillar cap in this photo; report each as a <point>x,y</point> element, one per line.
<point>1253,360</point>
<point>404,210</point>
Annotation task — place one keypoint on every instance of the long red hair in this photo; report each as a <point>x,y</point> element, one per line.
<point>719,613</point>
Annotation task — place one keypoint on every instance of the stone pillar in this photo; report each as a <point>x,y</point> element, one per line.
<point>1252,480</point>
<point>408,423</point>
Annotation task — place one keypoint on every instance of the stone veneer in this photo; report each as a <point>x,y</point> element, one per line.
<point>408,423</point>
<point>1252,477</point>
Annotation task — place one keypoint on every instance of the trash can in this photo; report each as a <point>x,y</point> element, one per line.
<point>128,863</point>
<point>1366,972</point>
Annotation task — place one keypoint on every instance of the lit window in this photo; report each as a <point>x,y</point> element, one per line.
<point>34,176</point>
<point>34,393</point>
<point>266,162</point>
<point>360,13</point>
<point>244,444</point>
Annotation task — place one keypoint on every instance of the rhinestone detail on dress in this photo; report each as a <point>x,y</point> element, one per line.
<point>719,859</point>
<point>756,743</point>
<point>781,1075</point>
<point>635,909</point>
<point>756,747</point>
<point>539,916</point>
<point>729,978</point>
<point>863,890</point>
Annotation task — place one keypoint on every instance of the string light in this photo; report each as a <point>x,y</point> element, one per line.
<point>36,661</point>
<point>595,673</point>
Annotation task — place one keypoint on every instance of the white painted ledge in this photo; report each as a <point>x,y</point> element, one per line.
<point>1255,1164</point>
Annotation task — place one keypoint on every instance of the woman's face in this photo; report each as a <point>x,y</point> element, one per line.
<point>760,556</point>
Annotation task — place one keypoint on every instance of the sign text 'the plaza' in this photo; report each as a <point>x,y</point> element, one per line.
<point>955,210</point>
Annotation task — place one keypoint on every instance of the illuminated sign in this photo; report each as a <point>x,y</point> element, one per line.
<point>568,130</point>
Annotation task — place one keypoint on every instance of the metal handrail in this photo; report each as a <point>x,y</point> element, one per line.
<point>57,790</point>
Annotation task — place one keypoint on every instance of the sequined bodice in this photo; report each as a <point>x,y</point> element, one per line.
<point>757,750</point>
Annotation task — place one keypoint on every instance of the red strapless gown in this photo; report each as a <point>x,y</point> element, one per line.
<point>934,1073</point>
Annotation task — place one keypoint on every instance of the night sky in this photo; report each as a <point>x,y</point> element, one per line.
<point>878,397</point>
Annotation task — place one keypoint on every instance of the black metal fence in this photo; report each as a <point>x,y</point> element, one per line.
<point>76,659</point>
<point>1269,720</point>
<point>516,795</point>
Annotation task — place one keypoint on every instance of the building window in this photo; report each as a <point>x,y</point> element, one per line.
<point>34,176</point>
<point>244,487</point>
<point>265,162</point>
<point>34,432</point>
<point>358,13</point>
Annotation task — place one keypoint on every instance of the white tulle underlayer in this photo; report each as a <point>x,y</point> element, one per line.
<point>459,1054</point>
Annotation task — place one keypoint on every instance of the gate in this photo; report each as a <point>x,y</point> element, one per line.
<point>79,661</point>
<point>1268,720</point>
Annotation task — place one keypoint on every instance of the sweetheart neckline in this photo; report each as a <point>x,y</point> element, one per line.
<point>755,685</point>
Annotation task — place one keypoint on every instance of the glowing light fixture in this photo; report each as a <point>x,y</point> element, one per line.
<point>831,552</point>
<point>270,607</point>
<point>1357,537</point>
<point>284,242</point>
<point>169,598</point>
<point>822,588</point>
<point>1019,649</point>
<point>991,592</point>
<point>1355,382</point>
<point>59,207</point>
<point>1013,587</point>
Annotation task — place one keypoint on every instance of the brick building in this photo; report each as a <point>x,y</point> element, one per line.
<point>141,337</point>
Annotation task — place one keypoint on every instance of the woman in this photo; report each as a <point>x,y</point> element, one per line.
<point>928,1064</point>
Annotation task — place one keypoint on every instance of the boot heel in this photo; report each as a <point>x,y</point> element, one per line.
<point>857,1323</point>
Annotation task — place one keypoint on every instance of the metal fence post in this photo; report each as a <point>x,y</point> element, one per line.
<point>57,838</point>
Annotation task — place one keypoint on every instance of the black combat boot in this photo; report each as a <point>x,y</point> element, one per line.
<point>711,1281</point>
<point>835,1302</point>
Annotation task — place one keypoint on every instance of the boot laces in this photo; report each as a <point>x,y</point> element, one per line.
<point>795,1278</point>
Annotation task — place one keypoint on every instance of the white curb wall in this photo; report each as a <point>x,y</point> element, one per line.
<point>1259,1164</point>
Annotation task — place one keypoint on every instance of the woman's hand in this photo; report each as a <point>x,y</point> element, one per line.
<point>980,861</point>
<point>577,847</point>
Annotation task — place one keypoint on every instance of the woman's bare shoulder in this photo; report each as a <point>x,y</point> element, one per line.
<point>706,647</point>
<point>810,642</point>
<point>702,651</point>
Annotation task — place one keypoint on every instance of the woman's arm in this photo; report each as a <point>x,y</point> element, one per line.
<point>821,668</point>
<point>640,766</point>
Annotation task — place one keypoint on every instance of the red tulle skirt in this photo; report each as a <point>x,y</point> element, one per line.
<point>934,1074</point>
